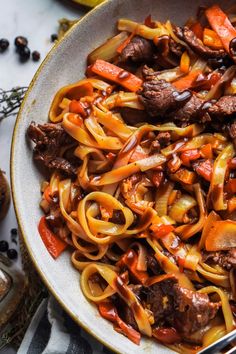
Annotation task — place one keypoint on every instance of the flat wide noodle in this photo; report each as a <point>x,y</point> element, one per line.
<point>142,181</point>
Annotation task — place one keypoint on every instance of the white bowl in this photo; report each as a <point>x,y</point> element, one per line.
<point>66,64</point>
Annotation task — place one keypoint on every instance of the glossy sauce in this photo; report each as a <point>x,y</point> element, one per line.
<point>129,146</point>
<point>183,96</point>
<point>123,75</point>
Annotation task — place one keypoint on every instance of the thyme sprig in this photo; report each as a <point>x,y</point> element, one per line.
<point>10,101</point>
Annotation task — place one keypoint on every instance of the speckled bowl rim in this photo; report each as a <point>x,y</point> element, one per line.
<point>13,191</point>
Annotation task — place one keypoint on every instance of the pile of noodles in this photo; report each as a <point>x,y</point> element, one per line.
<point>111,153</point>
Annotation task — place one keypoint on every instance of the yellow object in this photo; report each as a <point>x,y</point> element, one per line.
<point>90,3</point>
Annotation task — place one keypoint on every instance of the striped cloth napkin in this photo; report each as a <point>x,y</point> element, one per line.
<point>52,331</point>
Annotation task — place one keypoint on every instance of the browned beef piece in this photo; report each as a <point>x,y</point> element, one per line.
<point>158,97</point>
<point>224,107</point>
<point>161,306</point>
<point>176,48</point>
<point>138,50</point>
<point>184,309</point>
<point>191,111</point>
<point>161,99</point>
<point>188,36</point>
<point>49,138</point>
<point>194,310</point>
<point>54,218</point>
<point>226,259</point>
<point>164,138</point>
<point>133,116</point>
<point>232,130</point>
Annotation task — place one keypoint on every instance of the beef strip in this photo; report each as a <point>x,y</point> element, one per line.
<point>161,99</point>
<point>133,116</point>
<point>194,310</point>
<point>164,139</point>
<point>225,107</point>
<point>176,48</point>
<point>231,131</point>
<point>55,218</point>
<point>139,49</point>
<point>184,309</point>
<point>226,259</point>
<point>49,138</point>
<point>161,306</point>
<point>158,98</point>
<point>189,37</point>
<point>189,111</point>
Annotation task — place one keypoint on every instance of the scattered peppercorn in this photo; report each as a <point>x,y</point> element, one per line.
<point>12,253</point>
<point>4,44</point>
<point>24,54</point>
<point>14,231</point>
<point>21,42</point>
<point>54,37</point>
<point>4,246</point>
<point>35,55</point>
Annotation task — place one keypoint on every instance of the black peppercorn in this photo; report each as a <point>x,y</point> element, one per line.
<point>4,44</point>
<point>35,55</point>
<point>14,231</point>
<point>4,246</point>
<point>54,37</point>
<point>21,42</point>
<point>12,254</point>
<point>24,54</point>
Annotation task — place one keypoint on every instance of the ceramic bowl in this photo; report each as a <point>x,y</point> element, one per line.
<point>66,64</point>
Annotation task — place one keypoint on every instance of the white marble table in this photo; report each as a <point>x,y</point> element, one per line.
<point>37,20</point>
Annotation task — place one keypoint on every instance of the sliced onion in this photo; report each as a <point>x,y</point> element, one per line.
<point>170,74</point>
<point>212,217</point>
<point>181,207</point>
<point>216,91</point>
<point>107,51</point>
<point>216,191</point>
<point>141,30</point>
<point>221,236</point>
<point>162,196</point>
<point>187,231</point>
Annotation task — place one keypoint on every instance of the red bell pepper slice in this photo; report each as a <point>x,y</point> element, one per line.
<point>53,243</point>
<point>148,22</point>
<point>160,231</point>
<point>190,155</point>
<point>166,335</point>
<point>206,151</point>
<point>118,75</point>
<point>221,25</point>
<point>130,260</point>
<point>231,186</point>
<point>205,169</point>
<point>47,195</point>
<point>125,43</point>
<point>197,29</point>
<point>187,81</point>
<point>108,311</point>
<point>157,178</point>
<point>211,39</point>
<point>76,107</point>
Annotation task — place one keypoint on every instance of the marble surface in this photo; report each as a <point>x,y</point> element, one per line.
<point>37,20</point>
